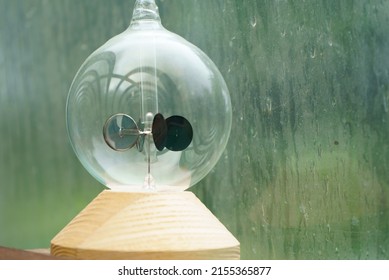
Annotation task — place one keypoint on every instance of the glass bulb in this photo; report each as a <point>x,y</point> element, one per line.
<point>148,110</point>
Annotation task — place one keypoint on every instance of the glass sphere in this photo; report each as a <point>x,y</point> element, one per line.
<point>141,86</point>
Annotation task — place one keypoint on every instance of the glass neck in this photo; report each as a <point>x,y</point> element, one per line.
<point>145,14</point>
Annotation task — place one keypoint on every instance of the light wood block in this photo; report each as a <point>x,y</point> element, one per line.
<point>120,225</point>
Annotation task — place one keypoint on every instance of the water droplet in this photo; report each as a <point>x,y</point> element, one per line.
<point>283,34</point>
<point>313,53</point>
<point>330,43</point>
<point>253,21</point>
<point>386,101</point>
<point>268,105</point>
<point>354,221</point>
<point>231,43</point>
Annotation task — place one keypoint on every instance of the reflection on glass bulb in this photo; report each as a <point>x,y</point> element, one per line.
<point>162,104</point>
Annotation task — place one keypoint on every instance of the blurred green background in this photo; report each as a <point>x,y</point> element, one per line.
<point>306,172</point>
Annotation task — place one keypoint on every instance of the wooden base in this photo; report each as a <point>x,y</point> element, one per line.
<point>119,225</point>
<point>33,254</point>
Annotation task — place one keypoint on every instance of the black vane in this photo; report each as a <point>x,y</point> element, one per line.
<point>179,133</point>
<point>159,130</point>
<point>121,133</point>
